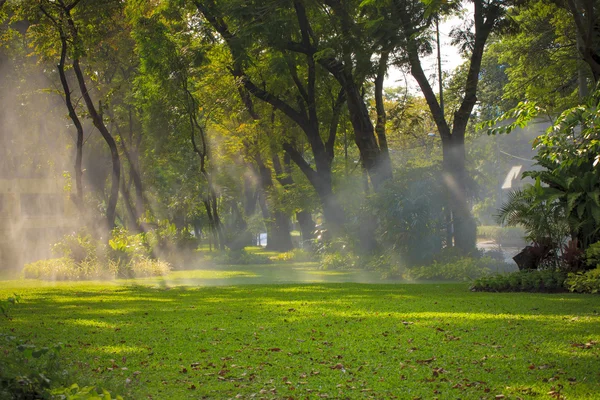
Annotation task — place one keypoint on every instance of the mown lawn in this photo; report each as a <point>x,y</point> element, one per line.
<point>325,340</point>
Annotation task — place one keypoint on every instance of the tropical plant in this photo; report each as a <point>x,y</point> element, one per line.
<point>565,199</point>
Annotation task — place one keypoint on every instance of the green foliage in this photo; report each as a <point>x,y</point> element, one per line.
<point>460,269</point>
<point>239,257</point>
<point>295,255</point>
<point>28,371</point>
<point>410,214</point>
<point>565,199</point>
<point>6,305</point>
<point>78,247</point>
<point>338,260</point>
<point>65,268</point>
<point>584,282</point>
<point>125,256</point>
<point>592,255</point>
<point>542,217</point>
<point>549,280</point>
<point>74,392</point>
<point>537,56</point>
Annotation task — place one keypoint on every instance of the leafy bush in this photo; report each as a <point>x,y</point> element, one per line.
<point>411,217</point>
<point>388,264</point>
<point>126,256</point>
<point>64,268</point>
<point>6,305</point>
<point>145,266</point>
<point>239,257</point>
<point>522,281</point>
<point>338,261</point>
<point>592,255</point>
<point>79,247</point>
<point>28,371</point>
<point>584,282</point>
<point>31,372</point>
<point>74,392</point>
<point>461,269</point>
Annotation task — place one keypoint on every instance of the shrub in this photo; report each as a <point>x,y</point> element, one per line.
<point>148,267</point>
<point>82,393</point>
<point>592,255</point>
<point>64,268</point>
<point>79,247</point>
<point>388,264</point>
<point>239,257</point>
<point>31,372</point>
<point>584,282</point>
<point>27,371</point>
<point>126,256</point>
<point>411,216</point>
<point>462,269</point>
<point>337,261</point>
<point>522,281</point>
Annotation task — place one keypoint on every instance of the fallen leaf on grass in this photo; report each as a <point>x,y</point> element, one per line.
<point>587,345</point>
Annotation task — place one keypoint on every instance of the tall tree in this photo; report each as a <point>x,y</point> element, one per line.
<point>78,26</point>
<point>263,65</point>
<point>415,17</point>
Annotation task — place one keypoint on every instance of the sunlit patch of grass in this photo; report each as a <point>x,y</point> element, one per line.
<point>339,340</point>
<point>330,273</point>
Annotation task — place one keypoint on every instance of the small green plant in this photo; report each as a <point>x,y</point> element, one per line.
<point>592,255</point>
<point>74,392</point>
<point>8,304</point>
<point>28,371</point>
<point>584,282</point>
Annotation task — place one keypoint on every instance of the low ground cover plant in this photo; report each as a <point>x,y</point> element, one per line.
<point>315,340</point>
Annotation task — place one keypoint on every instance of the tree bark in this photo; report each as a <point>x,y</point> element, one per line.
<point>110,141</point>
<point>279,237</point>
<point>453,139</point>
<point>78,198</point>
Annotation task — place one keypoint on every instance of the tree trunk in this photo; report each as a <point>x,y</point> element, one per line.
<point>307,225</point>
<point>78,198</point>
<point>321,181</point>
<point>463,225</point>
<point>374,160</point>
<point>110,141</point>
<point>279,237</point>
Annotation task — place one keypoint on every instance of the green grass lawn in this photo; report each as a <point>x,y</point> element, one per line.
<point>333,340</point>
